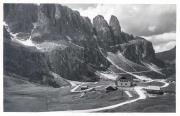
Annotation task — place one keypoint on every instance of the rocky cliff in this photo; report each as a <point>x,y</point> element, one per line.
<point>86,43</point>
<point>26,61</point>
<point>81,56</point>
<point>55,22</point>
<point>20,17</point>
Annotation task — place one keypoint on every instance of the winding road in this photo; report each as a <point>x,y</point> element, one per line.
<point>139,90</point>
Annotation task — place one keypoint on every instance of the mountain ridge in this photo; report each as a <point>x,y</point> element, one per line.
<point>169,55</point>
<point>81,57</point>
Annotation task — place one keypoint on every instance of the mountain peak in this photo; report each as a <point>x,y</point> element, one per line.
<point>86,44</point>
<point>115,26</point>
<point>99,20</point>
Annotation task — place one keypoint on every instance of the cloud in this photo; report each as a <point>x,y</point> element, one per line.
<point>80,6</point>
<point>156,23</point>
<point>140,20</point>
<point>152,28</point>
<point>162,42</point>
<point>165,47</point>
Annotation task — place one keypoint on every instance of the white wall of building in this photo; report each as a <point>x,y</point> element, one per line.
<point>124,84</point>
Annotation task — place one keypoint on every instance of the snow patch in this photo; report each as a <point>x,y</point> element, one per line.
<point>108,76</point>
<point>48,46</point>
<point>27,42</point>
<point>45,46</point>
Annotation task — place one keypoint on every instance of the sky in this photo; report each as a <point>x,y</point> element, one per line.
<point>156,23</point>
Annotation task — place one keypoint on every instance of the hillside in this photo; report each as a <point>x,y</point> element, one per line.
<point>68,44</point>
<point>169,55</point>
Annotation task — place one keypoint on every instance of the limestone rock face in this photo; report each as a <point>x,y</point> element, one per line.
<point>116,29</point>
<point>138,50</point>
<point>55,22</point>
<point>20,18</point>
<point>115,26</point>
<point>103,32</point>
<point>86,43</point>
<point>27,62</point>
<point>7,36</point>
<point>70,64</point>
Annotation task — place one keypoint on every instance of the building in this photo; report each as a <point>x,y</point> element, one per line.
<point>124,81</point>
<point>84,87</point>
<point>154,90</point>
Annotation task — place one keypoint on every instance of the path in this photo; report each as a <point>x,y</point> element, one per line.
<point>138,89</point>
<point>128,93</point>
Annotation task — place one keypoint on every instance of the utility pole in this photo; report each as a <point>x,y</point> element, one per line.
<point>122,92</point>
<point>46,101</point>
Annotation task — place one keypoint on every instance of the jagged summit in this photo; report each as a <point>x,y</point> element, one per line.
<point>85,44</point>
<point>115,26</point>
<point>103,32</point>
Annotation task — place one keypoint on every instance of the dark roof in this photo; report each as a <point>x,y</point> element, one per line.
<point>111,88</point>
<point>123,78</point>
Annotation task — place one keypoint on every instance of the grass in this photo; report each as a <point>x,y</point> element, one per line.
<point>24,96</point>
<point>161,103</point>
<point>164,103</point>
